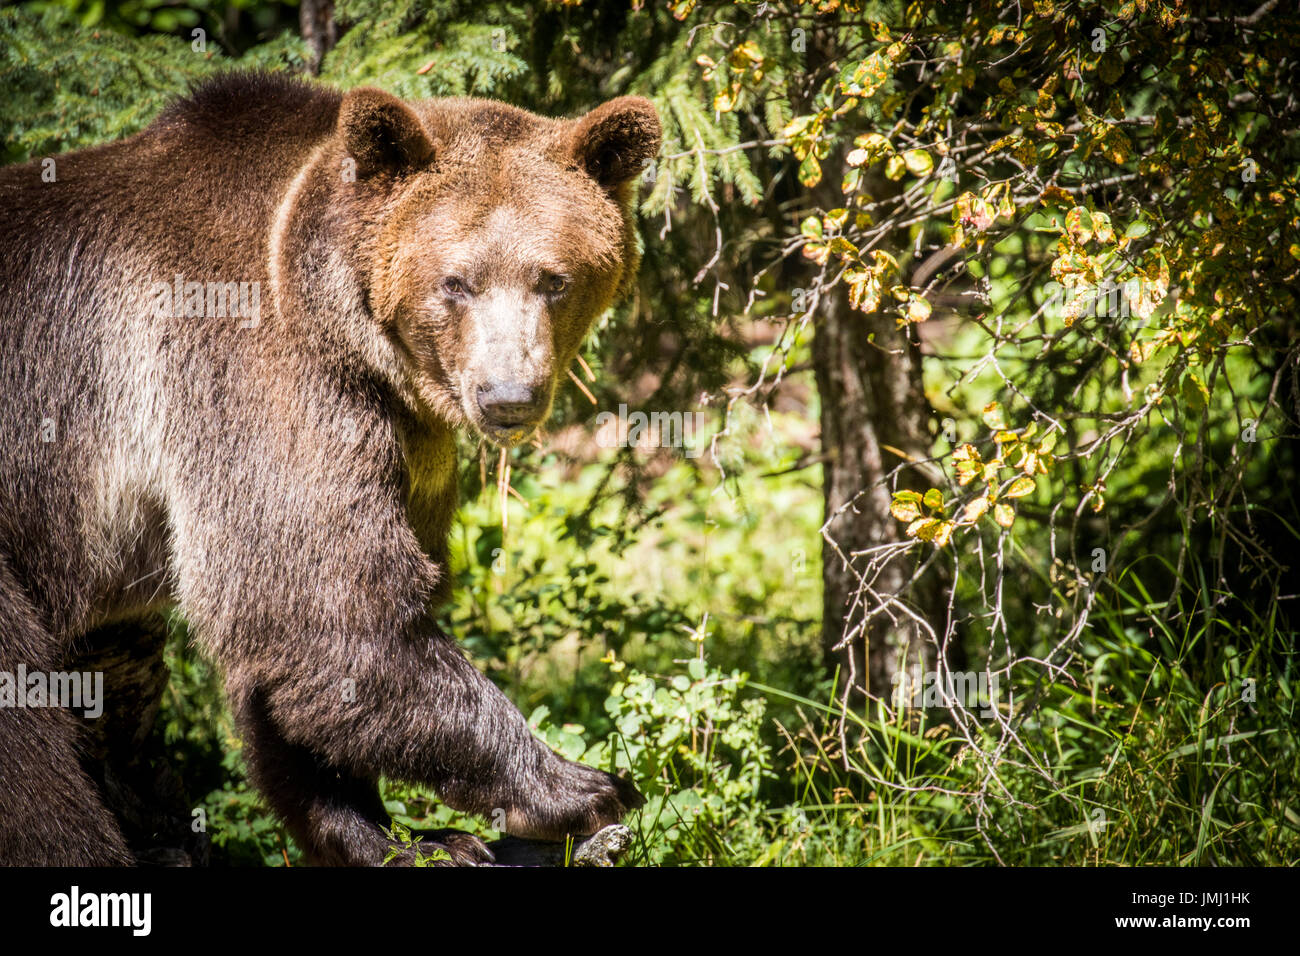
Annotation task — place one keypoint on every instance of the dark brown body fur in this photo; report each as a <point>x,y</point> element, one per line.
<point>289,483</point>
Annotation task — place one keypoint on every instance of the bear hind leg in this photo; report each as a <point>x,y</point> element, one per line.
<point>51,813</point>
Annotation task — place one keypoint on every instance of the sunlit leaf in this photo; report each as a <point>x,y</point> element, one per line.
<point>810,171</point>
<point>1019,488</point>
<point>918,310</point>
<point>974,510</point>
<point>918,161</point>
<point>1078,225</point>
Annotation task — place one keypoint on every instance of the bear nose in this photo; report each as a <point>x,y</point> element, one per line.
<point>510,403</point>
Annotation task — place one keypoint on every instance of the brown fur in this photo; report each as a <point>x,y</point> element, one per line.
<point>289,482</point>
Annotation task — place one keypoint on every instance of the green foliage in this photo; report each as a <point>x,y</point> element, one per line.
<point>405,842</point>
<point>168,16</point>
<point>200,741</point>
<point>52,102</point>
<point>418,49</point>
<point>696,749</point>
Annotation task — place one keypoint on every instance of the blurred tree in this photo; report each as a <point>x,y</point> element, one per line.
<point>316,23</point>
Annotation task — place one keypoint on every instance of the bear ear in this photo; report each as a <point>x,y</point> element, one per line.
<point>613,142</point>
<point>381,133</point>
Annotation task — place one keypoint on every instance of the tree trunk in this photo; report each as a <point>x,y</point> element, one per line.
<point>869,382</point>
<point>316,23</point>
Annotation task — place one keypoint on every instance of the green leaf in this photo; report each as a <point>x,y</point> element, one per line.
<point>810,171</point>
<point>918,161</point>
<point>1196,396</point>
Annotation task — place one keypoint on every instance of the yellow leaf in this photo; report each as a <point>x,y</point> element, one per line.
<point>1004,515</point>
<point>1019,488</point>
<point>884,260</point>
<point>925,528</point>
<point>874,145</point>
<point>726,101</point>
<point>904,510</point>
<point>967,462</point>
<point>1078,225</point>
<point>1102,228</point>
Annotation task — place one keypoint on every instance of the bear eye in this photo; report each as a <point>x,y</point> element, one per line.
<point>556,284</point>
<point>454,288</point>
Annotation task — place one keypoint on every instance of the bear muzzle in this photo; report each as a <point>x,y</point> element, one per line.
<point>509,410</point>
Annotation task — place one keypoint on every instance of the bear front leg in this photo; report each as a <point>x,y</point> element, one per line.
<point>320,613</point>
<point>338,819</point>
<point>406,705</point>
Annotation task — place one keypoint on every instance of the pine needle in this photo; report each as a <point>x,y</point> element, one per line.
<point>577,381</point>
<point>503,487</point>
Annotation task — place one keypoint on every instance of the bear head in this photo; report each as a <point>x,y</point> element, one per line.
<point>487,240</point>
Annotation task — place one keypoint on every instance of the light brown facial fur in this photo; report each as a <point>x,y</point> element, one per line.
<point>498,238</point>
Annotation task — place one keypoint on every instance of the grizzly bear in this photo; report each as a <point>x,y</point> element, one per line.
<point>234,349</point>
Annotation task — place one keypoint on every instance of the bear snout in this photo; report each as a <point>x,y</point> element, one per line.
<point>507,404</point>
